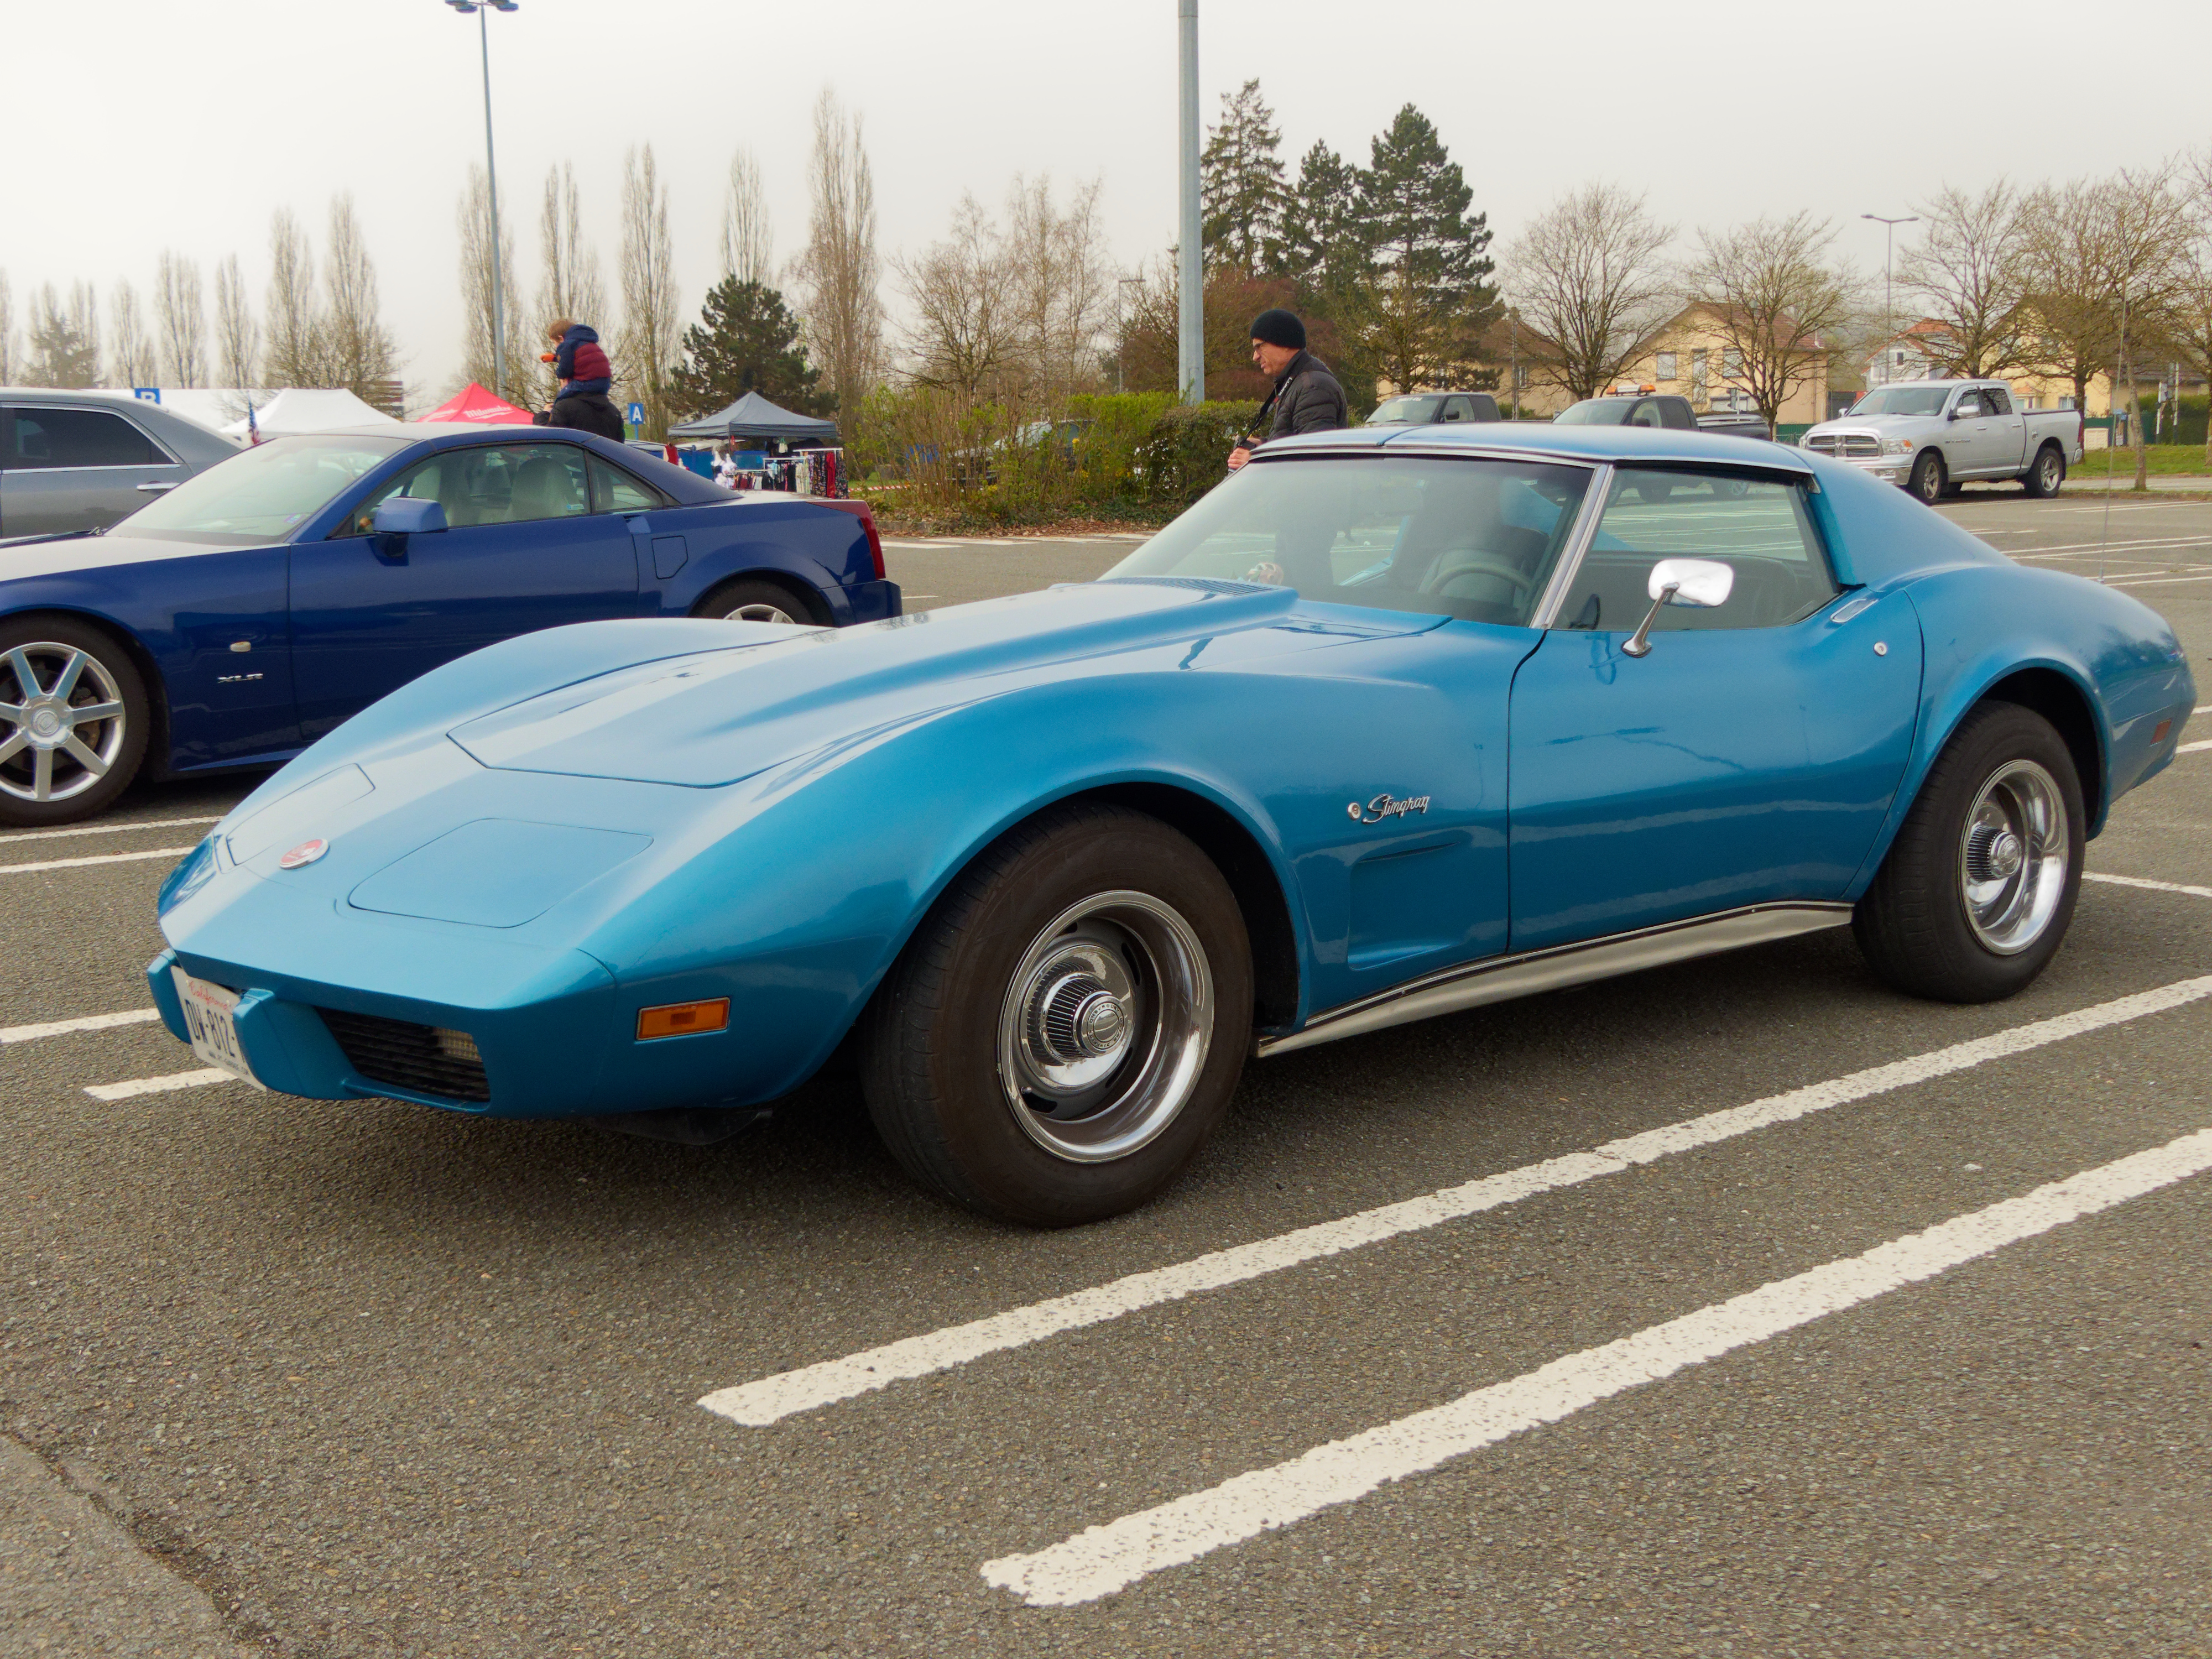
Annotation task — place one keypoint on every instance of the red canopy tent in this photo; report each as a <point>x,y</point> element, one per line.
<point>475,403</point>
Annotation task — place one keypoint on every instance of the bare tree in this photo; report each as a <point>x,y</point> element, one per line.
<point>362,352</point>
<point>645,349</point>
<point>1775,299</point>
<point>2190,324</point>
<point>7,332</point>
<point>64,338</point>
<point>2073,314</point>
<point>237,336</point>
<point>297,331</point>
<point>2149,233</point>
<point>843,309</point>
<point>1589,278</point>
<point>180,320</point>
<point>1970,271</point>
<point>961,289</point>
<point>1063,284</point>
<point>748,238</point>
<point>479,362</point>
<point>568,285</point>
<point>131,355</point>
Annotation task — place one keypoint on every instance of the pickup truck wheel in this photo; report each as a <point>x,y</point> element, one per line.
<point>73,720</point>
<point>1067,1026</point>
<point>1976,893</point>
<point>750,599</point>
<point>1929,480</point>
<point>2042,480</point>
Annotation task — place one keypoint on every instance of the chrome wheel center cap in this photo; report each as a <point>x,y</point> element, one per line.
<point>2005,854</point>
<point>47,722</point>
<point>1102,1024</point>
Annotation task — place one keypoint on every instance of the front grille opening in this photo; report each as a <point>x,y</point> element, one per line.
<point>430,1060</point>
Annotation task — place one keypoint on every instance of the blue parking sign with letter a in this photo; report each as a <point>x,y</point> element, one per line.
<point>637,414</point>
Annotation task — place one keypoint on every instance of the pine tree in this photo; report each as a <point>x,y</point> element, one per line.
<point>745,340</point>
<point>1321,248</point>
<point>1425,294</point>
<point>1241,184</point>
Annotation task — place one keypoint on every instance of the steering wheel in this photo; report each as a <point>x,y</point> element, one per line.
<point>1480,564</point>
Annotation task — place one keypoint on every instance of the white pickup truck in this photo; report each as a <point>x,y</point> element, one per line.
<point>1931,437</point>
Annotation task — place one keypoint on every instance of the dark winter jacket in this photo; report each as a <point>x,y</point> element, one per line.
<point>579,365</point>
<point>589,411</point>
<point>1307,398</point>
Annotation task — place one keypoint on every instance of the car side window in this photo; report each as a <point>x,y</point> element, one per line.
<point>1458,409</point>
<point>1969,404</point>
<point>1760,528</point>
<point>1998,399</point>
<point>1645,414</point>
<point>504,483</point>
<point>77,437</point>
<point>614,490</point>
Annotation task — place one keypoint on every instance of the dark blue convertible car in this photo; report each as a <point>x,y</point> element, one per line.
<point>249,612</point>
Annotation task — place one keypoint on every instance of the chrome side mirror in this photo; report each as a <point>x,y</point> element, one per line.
<point>1702,584</point>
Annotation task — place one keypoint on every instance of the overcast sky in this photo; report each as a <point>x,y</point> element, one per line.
<point>141,124</point>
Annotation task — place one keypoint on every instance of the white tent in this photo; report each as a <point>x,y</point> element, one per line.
<point>212,407</point>
<point>298,409</point>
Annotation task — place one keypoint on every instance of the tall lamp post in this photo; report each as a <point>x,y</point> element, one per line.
<point>1190,306</point>
<point>1888,302</point>
<point>491,185</point>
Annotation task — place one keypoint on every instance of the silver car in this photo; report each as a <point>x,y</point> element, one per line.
<point>73,461</point>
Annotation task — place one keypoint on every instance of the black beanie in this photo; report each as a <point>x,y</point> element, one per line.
<point>1279,327</point>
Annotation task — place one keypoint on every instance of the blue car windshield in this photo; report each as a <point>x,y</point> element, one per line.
<point>263,492</point>
<point>1474,539</point>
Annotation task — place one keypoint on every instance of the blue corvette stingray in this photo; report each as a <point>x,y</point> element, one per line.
<point>235,620</point>
<point>1394,722</point>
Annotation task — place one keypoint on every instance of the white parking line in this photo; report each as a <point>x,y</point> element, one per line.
<point>63,1027</point>
<point>157,1085</point>
<point>2155,886</point>
<point>104,857</point>
<point>770,1399</point>
<point>2154,581</point>
<point>2194,748</point>
<point>1101,1559</point>
<point>103,829</point>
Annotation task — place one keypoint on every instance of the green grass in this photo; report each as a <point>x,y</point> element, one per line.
<point>2167,461</point>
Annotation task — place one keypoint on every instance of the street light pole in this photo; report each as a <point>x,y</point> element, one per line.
<point>1888,301</point>
<point>1190,321</point>
<point>491,188</point>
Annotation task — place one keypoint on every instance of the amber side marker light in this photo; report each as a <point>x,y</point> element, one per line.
<point>683,1019</point>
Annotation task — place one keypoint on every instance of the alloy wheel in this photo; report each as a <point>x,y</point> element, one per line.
<point>65,728</point>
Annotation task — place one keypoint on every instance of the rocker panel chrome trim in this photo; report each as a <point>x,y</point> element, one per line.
<point>1504,978</point>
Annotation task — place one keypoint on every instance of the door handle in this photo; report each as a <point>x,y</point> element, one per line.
<point>154,488</point>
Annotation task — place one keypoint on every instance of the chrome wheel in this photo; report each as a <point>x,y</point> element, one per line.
<point>65,728</point>
<point>2050,472</point>
<point>1103,1031</point>
<point>760,613</point>
<point>2012,857</point>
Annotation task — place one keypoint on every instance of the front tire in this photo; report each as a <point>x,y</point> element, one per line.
<point>74,718</point>
<point>1928,478</point>
<point>1066,1027</point>
<point>1977,892</point>
<point>2042,480</point>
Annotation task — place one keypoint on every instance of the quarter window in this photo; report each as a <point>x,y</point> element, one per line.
<point>77,437</point>
<point>1760,528</point>
<point>614,490</point>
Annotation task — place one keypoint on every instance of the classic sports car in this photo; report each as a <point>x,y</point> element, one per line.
<point>252,608</point>
<point>1393,722</point>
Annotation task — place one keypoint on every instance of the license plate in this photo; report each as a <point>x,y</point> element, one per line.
<point>210,1017</point>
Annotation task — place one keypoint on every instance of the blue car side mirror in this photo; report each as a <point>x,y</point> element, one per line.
<point>404,515</point>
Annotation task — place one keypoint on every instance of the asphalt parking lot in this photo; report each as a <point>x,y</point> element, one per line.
<point>1514,1332</point>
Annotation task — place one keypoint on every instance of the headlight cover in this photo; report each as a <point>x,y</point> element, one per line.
<point>1897,446</point>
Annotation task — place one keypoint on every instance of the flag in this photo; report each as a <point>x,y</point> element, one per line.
<point>252,425</point>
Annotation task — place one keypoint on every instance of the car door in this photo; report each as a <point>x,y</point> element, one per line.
<point>66,468</point>
<point>2006,449</point>
<point>1750,757</point>
<point>522,550</point>
<point>1968,447</point>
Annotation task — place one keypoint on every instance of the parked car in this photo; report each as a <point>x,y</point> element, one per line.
<point>73,461</point>
<point>1390,724</point>
<point>1663,410</point>
<point>1434,408</point>
<point>1930,436</point>
<point>248,612</point>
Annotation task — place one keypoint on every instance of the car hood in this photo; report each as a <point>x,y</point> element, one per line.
<point>712,717</point>
<point>1874,423</point>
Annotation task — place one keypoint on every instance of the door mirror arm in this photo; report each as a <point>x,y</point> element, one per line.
<point>1701,584</point>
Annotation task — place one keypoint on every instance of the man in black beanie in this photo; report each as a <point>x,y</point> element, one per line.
<point>1306,398</point>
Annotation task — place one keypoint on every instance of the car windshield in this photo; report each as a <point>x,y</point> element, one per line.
<point>1474,539</point>
<point>1596,411</point>
<point>1405,411</point>
<point>269,490</point>
<point>1902,400</point>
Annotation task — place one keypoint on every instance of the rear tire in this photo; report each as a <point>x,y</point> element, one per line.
<point>1928,478</point>
<point>1976,894</point>
<point>750,598</point>
<point>1066,1028</point>
<point>2042,480</point>
<point>59,760</point>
